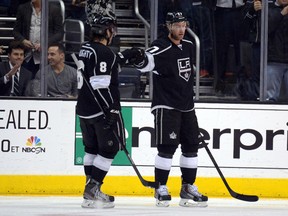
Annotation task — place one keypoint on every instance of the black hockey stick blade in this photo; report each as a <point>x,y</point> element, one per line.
<point>143,181</point>
<point>243,197</point>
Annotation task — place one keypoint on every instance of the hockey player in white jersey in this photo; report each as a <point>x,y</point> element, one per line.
<point>171,60</point>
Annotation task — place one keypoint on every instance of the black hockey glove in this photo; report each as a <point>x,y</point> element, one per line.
<point>111,117</point>
<point>132,55</point>
<point>138,57</point>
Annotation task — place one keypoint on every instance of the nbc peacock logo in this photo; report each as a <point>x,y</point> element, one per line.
<point>33,145</point>
<point>33,140</point>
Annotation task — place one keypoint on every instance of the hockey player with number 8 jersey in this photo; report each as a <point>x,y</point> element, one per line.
<point>98,108</point>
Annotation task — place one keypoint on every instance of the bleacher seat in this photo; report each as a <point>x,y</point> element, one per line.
<point>73,38</point>
<point>130,83</point>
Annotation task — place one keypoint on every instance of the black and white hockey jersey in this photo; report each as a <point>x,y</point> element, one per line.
<point>101,77</point>
<point>173,73</point>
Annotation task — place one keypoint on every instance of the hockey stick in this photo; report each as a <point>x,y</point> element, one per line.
<point>143,181</point>
<point>248,198</point>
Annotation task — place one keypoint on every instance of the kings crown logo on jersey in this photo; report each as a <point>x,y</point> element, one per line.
<point>184,68</point>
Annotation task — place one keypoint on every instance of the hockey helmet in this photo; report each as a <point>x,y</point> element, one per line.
<point>101,23</point>
<point>173,17</point>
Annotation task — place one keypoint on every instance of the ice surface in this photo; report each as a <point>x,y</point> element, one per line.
<point>138,206</point>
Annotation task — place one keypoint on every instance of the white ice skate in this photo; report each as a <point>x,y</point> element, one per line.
<point>190,197</point>
<point>162,196</point>
<point>95,198</point>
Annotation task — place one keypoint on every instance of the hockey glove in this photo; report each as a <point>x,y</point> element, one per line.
<point>111,118</point>
<point>138,57</point>
<point>131,55</point>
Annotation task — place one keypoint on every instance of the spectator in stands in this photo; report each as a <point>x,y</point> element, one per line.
<point>249,80</point>
<point>75,9</point>
<point>199,14</point>
<point>13,77</point>
<point>61,78</point>
<point>277,66</point>
<point>27,30</point>
<point>227,31</point>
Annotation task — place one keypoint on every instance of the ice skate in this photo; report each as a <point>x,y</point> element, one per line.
<point>162,196</point>
<point>190,197</point>
<point>95,198</point>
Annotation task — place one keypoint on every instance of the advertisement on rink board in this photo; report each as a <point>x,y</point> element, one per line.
<point>44,137</point>
<point>248,136</point>
<point>36,137</point>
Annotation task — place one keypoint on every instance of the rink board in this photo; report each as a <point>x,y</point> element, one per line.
<point>41,149</point>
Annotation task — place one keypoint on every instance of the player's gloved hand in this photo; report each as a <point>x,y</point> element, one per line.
<point>111,117</point>
<point>130,54</point>
<point>138,57</point>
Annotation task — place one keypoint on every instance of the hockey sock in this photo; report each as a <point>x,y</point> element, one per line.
<point>101,166</point>
<point>188,166</point>
<point>162,169</point>
<point>88,163</point>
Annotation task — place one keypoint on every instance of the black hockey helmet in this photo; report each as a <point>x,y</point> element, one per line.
<point>173,17</point>
<point>101,23</point>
